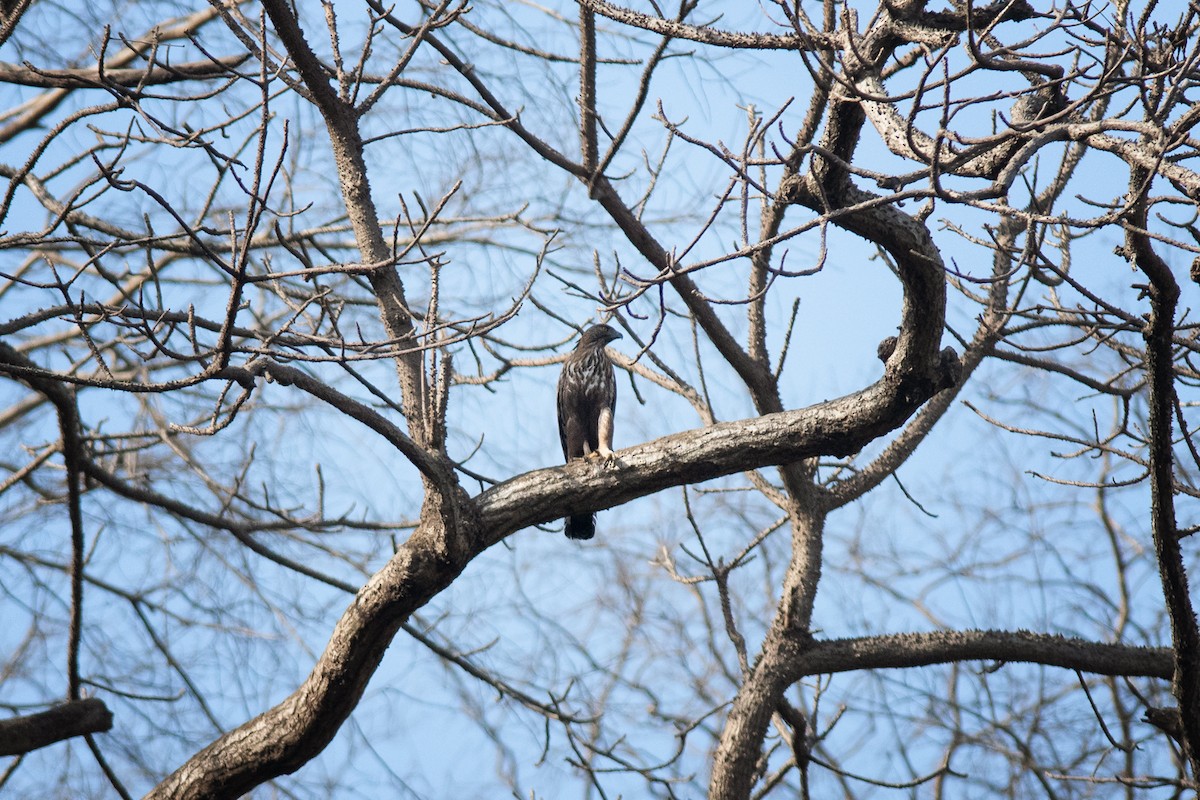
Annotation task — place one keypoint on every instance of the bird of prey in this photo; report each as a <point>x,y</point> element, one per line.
<point>587,400</point>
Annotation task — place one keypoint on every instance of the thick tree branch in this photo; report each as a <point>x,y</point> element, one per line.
<point>929,82</point>
<point>11,12</point>
<point>941,22</point>
<point>1159,335</point>
<point>836,427</point>
<point>907,650</point>
<point>26,733</point>
<point>287,736</point>
<point>914,358</point>
<point>427,563</point>
<point>708,35</point>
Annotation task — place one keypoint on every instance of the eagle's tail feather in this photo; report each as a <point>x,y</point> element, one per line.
<point>580,526</point>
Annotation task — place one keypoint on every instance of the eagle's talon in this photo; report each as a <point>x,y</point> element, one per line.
<point>607,456</point>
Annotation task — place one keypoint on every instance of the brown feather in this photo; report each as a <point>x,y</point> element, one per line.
<point>586,386</point>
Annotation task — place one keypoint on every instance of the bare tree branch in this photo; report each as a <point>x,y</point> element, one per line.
<point>74,718</point>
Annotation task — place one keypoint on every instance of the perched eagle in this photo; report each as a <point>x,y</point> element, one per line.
<point>587,400</point>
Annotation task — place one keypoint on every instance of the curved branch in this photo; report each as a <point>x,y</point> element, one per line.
<point>913,363</point>
<point>63,399</point>
<point>432,558</point>
<point>284,738</point>
<point>836,427</point>
<point>341,122</point>
<point>438,469</point>
<point>948,21</point>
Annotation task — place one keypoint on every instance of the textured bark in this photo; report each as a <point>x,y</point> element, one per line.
<point>1159,334</point>
<point>836,427</point>
<point>287,736</point>
<point>736,764</point>
<point>906,650</point>
<point>821,180</point>
<point>128,77</point>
